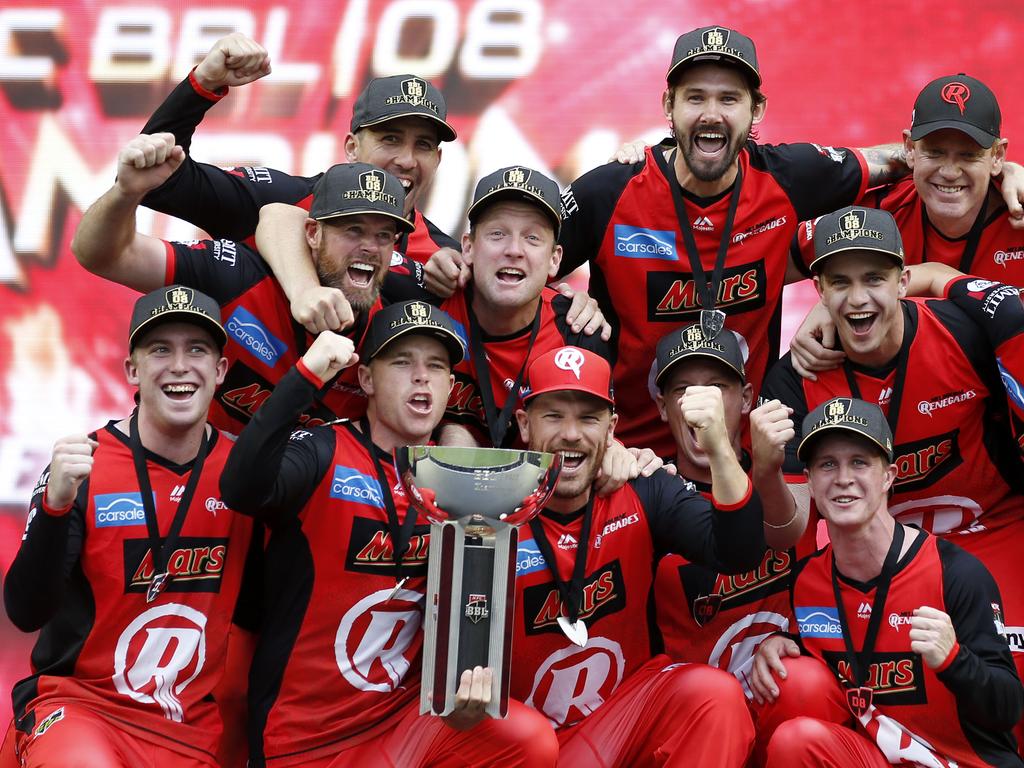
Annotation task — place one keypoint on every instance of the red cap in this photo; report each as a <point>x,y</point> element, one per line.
<point>570,368</point>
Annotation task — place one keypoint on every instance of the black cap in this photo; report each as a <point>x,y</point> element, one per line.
<point>856,229</point>
<point>518,182</point>
<point>715,44</point>
<point>388,98</point>
<point>690,341</point>
<point>178,304</point>
<point>850,415</point>
<point>352,189</point>
<point>407,317</point>
<point>960,102</point>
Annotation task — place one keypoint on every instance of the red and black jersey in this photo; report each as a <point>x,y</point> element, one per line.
<point>263,339</point>
<point>631,529</point>
<point>83,577</point>
<point>622,219</point>
<point>958,465</point>
<point>958,714</point>
<point>335,656</point>
<point>226,204</point>
<point>720,619</point>
<point>999,254</point>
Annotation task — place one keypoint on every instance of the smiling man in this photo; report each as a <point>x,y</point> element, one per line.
<point>699,229</point>
<point>356,213</point>
<point>398,124</point>
<point>335,677</point>
<point>931,365</point>
<point>902,633</point>
<point>587,655</point>
<point>131,564</point>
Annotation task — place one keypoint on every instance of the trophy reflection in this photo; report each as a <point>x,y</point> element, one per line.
<point>474,498</point>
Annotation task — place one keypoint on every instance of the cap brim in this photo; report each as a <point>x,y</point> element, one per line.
<point>568,388</point>
<point>513,193</point>
<point>446,132</point>
<point>181,316</point>
<point>815,266</point>
<point>710,356</point>
<point>984,138</point>
<point>450,340</point>
<point>805,443</point>
<point>711,58</point>
<point>404,225</point>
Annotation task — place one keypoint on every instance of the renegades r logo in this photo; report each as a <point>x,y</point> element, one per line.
<point>672,296</point>
<point>956,93</point>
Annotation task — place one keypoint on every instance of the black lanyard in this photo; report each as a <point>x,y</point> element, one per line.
<point>571,591</point>
<point>860,662</point>
<point>892,413</point>
<point>401,534</point>
<point>973,237</point>
<point>161,548</point>
<point>497,422</point>
<point>711,320</point>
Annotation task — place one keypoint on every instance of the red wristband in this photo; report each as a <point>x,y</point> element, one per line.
<point>55,511</point>
<point>742,502</point>
<point>211,95</point>
<point>949,659</point>
<point>308,375</point>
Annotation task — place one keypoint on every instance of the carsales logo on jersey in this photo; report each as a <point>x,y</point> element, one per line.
<point>247,330</point>
<point>116,509</point>
<point>352,485</point>
<point>818,621</point>
<point>640,243</point>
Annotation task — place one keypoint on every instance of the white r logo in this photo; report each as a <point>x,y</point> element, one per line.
<point>165,642</point>
<point>573,682</point>
<point>373,637</point>
<point>569,359</point>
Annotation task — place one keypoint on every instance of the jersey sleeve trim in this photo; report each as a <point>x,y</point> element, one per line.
<point>949,658</point>
<point>739,504</point>
<point>213,96</point>
<point>308,375</point>
<point>170,264</point>
<point>55,511</point>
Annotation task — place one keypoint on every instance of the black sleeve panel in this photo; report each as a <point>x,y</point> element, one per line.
<point>594,343</point>
<point>224,203</point>
<point>784,384</point>
<point>982,677</point>
<point>268,474</point>
<point>587,207</point>
<point>222,269</point>
<point>35,585</point>
<point>682,521</point>
<point>818,180</point>
<point>406,282</point>
<point>441,239</point>
<point>248,607</point>
<point>994,308</point>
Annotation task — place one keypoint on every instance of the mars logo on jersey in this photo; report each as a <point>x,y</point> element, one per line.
<point>604,593</point>
<point>378,638</point>
<point>464,399</point>
<point>370,549</point>
<point>672,296</point>
<point>573,682</point>
<point>640,243</point>
<point>196,565</point>
<point>922,463</point>
<point>245,328</point>
<point>159,654</point>
<point>701,585</point>
<point>352,485</point>
<point>244,391</point>
<point>895,678</point>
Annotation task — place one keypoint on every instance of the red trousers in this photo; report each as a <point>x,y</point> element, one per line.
<point>664,715</point>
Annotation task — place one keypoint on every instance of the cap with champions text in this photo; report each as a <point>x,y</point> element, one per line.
<point>412,317</point>
<point>176,303</point>
<point>689,342</point>
<point>959,102</point>
<point>715,44</point>
<point>353,189</point>
<point>856,229</point>
<point>388,98</point>
<point>846,414</point>
<point>518,182</point>
<point>570,369</point>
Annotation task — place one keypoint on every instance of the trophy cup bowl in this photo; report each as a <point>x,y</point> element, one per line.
<point>475,498</point>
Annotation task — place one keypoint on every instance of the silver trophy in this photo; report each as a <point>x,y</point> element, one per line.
<point>474,498</point>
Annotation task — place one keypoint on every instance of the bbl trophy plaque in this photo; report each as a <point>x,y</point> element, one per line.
<point>474,498</point>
